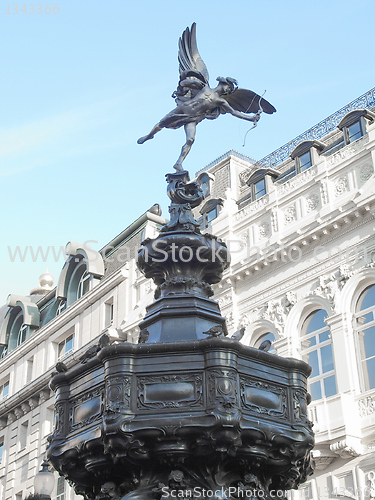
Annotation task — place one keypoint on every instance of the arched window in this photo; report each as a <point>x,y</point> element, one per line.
<point>18,332</point>
<point>79,283</point>
<point>317,352</point>
<point>266,336</point>
<point>79,275</point>
<point>366,335</point>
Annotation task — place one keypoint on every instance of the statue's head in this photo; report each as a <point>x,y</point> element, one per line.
<point>228,84</point>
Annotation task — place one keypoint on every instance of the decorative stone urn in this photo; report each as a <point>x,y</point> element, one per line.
<point>186,412</point>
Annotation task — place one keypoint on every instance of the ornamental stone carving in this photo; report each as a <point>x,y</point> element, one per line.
<point>290,214</point>
<point>341,155</point>
<point>226,300</point>
<point>312,202</point>
<point>328,288</point>
<point>274,220</point>
<point>324,191</point>
<point>230,320</point>
<point>347,448</point>
<point>371,480</point>
<point>344,274</point>
<point>366,406</point>
<point>322,459</point>
<point>256,206</point>
<point>366,172</point>
<point>264,230</point>
<point>341,186</point>
<point>297,181</point>
<point>288,301</point>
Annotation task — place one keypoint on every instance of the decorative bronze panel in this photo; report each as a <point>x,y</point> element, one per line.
<point>262,397</point>
<point>86,409</point>
<point>222,388</point>
<point>170,391</point>
<point>118,394</point>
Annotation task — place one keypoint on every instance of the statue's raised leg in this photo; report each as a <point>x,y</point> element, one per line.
<point>149,136</point>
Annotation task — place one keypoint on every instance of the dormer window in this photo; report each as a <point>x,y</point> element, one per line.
<point>304,162</point>
<point>79,275</point>
<point>205,180</point>
<point>354,132</point>
<point>259,189</point>
<point>306,154</point>
<point>354,124</point>
<point>21,319</point>
<point>260,183</point>
<point>210,211</point>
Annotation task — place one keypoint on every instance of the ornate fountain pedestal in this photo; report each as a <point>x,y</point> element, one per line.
<point>214,413</point>
<point>187,412</point>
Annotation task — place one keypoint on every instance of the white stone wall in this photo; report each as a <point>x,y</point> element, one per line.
<point>308,244</point>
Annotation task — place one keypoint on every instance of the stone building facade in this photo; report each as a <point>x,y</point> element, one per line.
<point>300,225</point>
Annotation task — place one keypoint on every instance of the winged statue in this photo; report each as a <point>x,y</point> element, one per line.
<point>196,100</point>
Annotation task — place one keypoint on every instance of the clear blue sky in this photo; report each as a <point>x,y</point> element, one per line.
<point>79,87</point>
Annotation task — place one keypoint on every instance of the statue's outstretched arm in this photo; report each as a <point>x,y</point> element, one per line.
<point>249,117</point>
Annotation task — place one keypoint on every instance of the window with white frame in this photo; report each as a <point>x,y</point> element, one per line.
<point>353,131</point>
<point>317,352</point>
<point>66,346</point>
<point>108,313</point>
<point>258,189</point>
<point>83,285</point>
<point>1,450</point>
<point>23,432</point>
<point>210,211</point>
<point>25,469</point>
<point>305,492</point>
<point>4,390</point>
<point>303,162</point>
<point>365,319</point>
<point>60,488</point>
<point>61,306</point>
<point>22,334</point>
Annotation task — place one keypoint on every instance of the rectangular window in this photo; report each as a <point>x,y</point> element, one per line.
<point>354,132</point>
<point>25,469</point>
<point>24,427</point>
<point>66,346</point>
<point>4,390</point>
<point>29,369</point>
<point>1,451</point>
<point>60,488</point>
<point>108,313</point>
<point>304,161</point>
<point>259,189</point>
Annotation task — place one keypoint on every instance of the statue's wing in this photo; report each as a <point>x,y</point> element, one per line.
<point>248,101</point>
<point>188,56</point>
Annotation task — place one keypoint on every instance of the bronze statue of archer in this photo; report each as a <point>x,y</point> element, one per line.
<point>196,100</point>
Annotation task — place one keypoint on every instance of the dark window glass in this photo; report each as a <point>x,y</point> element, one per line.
<point>211,215</point>
<point>354,132</point>
<point>305,161</point>
<point>259,189</point>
